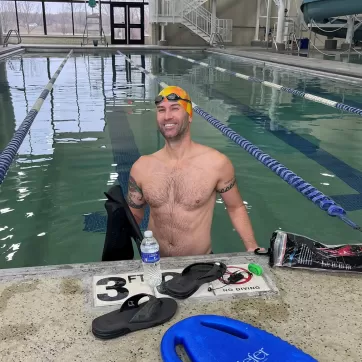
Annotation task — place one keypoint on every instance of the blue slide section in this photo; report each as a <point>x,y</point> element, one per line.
<point>322,10</point>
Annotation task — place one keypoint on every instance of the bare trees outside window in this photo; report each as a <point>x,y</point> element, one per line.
<point>30,17</point>
<point>62,17</point>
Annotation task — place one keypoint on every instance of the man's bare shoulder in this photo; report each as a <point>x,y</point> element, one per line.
<point>144,163</point>
<point>213,156</point>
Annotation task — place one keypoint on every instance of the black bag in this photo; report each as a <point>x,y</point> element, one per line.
<point>121,228</point>
<point>297,251</point>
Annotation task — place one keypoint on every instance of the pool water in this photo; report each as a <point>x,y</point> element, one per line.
<point>100,118</point>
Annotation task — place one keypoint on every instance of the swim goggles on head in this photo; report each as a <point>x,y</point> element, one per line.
<point>170,97</point>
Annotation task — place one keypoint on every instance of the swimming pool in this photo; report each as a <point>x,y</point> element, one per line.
<point>100,117</point>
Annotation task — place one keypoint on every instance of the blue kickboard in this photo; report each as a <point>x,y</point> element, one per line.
<point>212,338</point>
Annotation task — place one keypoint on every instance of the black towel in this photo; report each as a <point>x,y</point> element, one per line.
<point>121,228</point>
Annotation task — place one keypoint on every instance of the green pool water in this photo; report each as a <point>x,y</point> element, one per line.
<point>52,200</point>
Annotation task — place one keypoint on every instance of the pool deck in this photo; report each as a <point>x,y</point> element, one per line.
<point>46,312</point>
<point>10,50</point>
<point>319,67</point>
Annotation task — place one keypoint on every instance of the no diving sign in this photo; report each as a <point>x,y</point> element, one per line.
<point>249,284</point>
<point>115,289</point>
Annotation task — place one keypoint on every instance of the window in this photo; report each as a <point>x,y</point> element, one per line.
<point>59,18</point>
<point>79,18</point>
<point>8,16</point>
<point>106,18</point>
<point>30,15</point>
<point>147,20</point>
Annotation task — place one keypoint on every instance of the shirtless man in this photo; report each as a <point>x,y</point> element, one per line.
<point>180,183</point>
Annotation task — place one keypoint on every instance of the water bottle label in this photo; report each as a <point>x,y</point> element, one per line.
<point>150,257</point>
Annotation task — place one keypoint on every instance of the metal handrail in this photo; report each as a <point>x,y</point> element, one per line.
<point>296,42</point>
<point>224,28</point>
<point>6,41</point>
<point>190,5</point>
<point>201,19</point>
<point>220,39</point>
<point>292,38</point>
<point>275,42</point>
<point>193,15</point>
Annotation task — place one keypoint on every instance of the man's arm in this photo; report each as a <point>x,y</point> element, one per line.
<point>228,190</point>
<point>135,198</point>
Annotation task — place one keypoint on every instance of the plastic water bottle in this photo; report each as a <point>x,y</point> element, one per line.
<point>150,254</point>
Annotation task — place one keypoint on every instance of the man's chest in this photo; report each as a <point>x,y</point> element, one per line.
<point>189,187</point>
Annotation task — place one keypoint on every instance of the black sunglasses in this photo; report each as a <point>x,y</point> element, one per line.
<point>170,97</point>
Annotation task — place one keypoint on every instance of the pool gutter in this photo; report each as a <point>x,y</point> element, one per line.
<point>40,48</point>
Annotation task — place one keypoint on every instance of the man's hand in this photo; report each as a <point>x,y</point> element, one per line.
<point>253,249</point>
<point>229,192</point>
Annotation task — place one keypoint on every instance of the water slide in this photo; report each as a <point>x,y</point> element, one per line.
<point>322,10</point>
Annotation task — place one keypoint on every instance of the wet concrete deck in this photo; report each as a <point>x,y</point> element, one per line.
<point>10,50</point>
<point>46,312</point>
<point>328,68</point>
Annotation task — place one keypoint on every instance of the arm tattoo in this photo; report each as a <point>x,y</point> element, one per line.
<point>132,204</point>
<point>133,187</point>
<point>134,193</point>
<point>230,184</point>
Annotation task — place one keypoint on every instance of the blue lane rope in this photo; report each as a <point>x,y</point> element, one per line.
<point>311,97</point>
<point>306,189</point>
<point>9,152</point>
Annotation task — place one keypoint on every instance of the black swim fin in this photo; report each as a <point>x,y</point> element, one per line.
<point>121,227</point>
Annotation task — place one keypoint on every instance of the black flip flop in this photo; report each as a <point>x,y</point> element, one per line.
<point>192,277</point>
<point>134,317</point>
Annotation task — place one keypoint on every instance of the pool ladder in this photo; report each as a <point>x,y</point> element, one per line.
<point>6,41</point>
<point>292,43</point>
<point>90,32</point>
<point>216,39</point>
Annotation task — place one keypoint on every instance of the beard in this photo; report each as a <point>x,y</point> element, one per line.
<point>176,136</point>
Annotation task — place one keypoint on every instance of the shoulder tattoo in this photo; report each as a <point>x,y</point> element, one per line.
<point>229,185</point>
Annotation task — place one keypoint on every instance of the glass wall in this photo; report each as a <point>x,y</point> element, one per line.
<point>30,15</point>
<point>56,17</point>
<point>8,15</point>
<point>106,18</point>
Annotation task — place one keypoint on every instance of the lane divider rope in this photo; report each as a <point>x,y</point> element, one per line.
<point>296,92</point>
<point>306,189</point>
<point>9,152</point>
